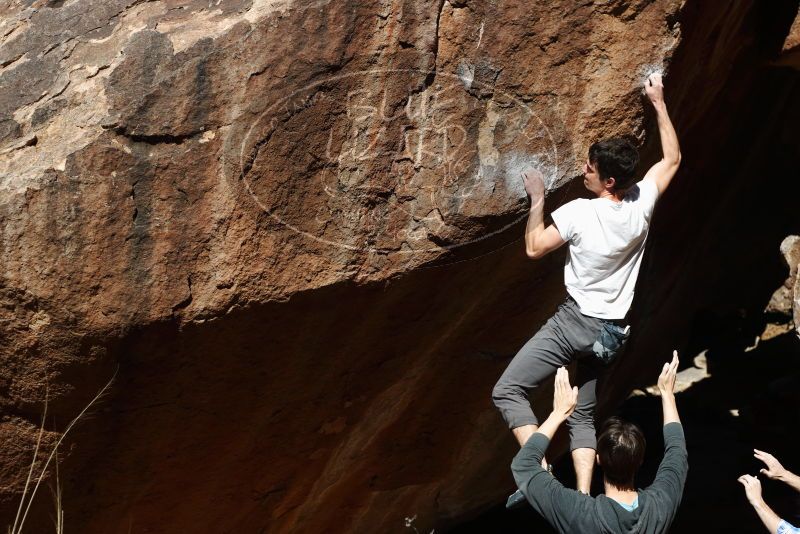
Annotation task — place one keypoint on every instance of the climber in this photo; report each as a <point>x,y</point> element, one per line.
<point>620,451</point>
<point>606,237</point>
<point>752,488</point>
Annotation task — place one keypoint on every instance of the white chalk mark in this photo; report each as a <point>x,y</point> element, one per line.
<point>514,164</point>
<point>466,73</point>
<point>487,152</point>
<point>646,70</point>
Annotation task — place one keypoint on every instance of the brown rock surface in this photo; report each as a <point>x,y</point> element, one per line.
<point>292,228</point>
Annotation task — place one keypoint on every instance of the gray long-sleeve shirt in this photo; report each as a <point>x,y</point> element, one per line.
<point>570,511</point>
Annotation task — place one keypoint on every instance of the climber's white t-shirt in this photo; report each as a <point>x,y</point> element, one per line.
<point>606,244</point>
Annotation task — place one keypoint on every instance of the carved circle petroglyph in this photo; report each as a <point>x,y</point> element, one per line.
<point>395,160</point>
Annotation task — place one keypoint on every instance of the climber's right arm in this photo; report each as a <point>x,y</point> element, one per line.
<point>539,240</point>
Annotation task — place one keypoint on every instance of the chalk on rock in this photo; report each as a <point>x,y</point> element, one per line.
<point>513,165</point>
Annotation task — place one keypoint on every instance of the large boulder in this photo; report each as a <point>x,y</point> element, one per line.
<point>290,232</point>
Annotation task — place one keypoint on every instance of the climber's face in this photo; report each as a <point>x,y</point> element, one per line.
<point>591,178</point>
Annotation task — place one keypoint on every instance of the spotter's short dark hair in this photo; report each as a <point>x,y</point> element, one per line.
<point>620,447</point>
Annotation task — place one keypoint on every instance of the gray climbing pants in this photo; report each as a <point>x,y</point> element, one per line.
<point>567,336</point>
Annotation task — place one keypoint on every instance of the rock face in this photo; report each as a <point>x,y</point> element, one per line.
<point>786,299</point>
<point>791,249</point>
<point>290,230</point>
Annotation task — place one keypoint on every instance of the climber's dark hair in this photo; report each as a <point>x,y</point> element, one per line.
<point>620,447</point>
<point>615,157</point>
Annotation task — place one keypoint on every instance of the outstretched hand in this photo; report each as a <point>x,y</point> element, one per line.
<point>654,87</point>
<point>565,398</point>
<point>666,380</point>
<point>534,185</point>
<point>774,468</point>
<point>752,488</point>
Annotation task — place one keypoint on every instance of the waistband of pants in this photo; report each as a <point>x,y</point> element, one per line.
<point>619,322</point>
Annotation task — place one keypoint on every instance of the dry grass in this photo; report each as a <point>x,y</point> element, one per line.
<point>27,499</point>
